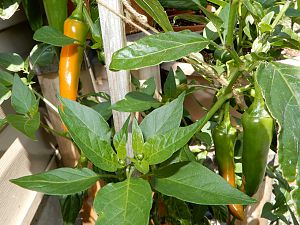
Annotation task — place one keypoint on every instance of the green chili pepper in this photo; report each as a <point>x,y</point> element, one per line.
<point>224,136</point>
<point>258,131</point>
<point>56,12</point>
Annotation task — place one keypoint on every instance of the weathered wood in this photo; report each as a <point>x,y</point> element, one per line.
<point>49,84</point>
<point>113,35</point>
<point>22,156</point>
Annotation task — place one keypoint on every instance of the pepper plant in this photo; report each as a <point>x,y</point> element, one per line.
<point>151,174</point>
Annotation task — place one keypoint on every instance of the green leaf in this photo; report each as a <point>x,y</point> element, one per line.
<point>120,140</point>
<point>6,78</point>
<point>91,133</point>
<point>127,203</point>
<point>149,86</point>
<point>155,49</point>
<point>23,100</point>
<point>179,4</point>
<point>211,16</point>
<point>284,106</point>
<point>104,109</point>
<point>170,90</point>
<point>296,197</point>
<point>160,147</point>
<point>169,118</point>
<point>4,93</point>
<point>194,183</point>
<point>52,36</point>
<point>8,8</point>
<point>27,125</point>
<point>70,207</point>
<point>255,9</point>
<point>137,138</point>
<point>42,55</point>
<point>3,122</point>
<point>191,18</point>
<point>63,181</point>
<point>11,62</point>
<point>136,102</point>
<point>180,77</point>
<point>156,11</point>
<point>141,165</point>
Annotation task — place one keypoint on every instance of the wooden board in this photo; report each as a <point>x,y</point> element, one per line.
<point>113,35</point>
<point>50,87</point>
<point>22,156</point>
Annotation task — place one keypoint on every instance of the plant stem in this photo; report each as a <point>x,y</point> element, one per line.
<point>280,14</point>
<point>231,31</point>
<point>89,20</point>
<point>203,86</point>
<point>232,22</point>
<point>57,133</point>
<point>47,102</point>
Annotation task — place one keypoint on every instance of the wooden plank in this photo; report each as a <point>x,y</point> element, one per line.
<point>49,84</point>
<point>113,35</point>
<point>23,157</point>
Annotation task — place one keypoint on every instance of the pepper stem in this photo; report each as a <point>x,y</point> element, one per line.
<point>259,99</point>
<point>78,11</point>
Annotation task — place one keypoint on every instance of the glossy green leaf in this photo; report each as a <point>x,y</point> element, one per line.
<point>141,165</point>
<point>180,77</point>
<point>136,102</point>
<point>155,49</point>
<point>8,8</point>
<point>156,11</point>
<point>169,118</point>
<point>280,84</point>
<point>127,203</point>
<point>137,138</point>
<point>6,78</point>
<point>27,125</point>
<point>63,181</point>
<point>160,147</point>
<point>42,55</point>
<point>255,8</point>
<point>191,18</point>
<point>91,133</point>
<point>179,4</point>
<point>120,140</point>
<point>170,89</point>
<point>104,109</point>
<point>211,16</point>
<point>11,62</point>
<point>23,100</point>
<point>52,36</point>
<point>149,86</point>
<point>195,183</point>
<point>4,93</point>
<point>70,206</point>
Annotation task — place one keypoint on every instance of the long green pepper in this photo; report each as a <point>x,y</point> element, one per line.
<point>224,136</point>
<point>258,132</point>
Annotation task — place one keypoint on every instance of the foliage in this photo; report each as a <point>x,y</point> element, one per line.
<point>152,153</point>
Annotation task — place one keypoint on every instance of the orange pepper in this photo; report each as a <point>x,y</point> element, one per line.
<point>72,55</point>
